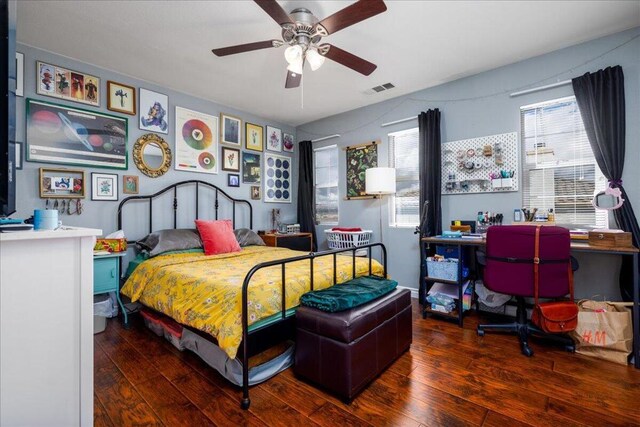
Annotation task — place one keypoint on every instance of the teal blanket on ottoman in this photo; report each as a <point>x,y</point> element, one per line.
<point>349,294</point>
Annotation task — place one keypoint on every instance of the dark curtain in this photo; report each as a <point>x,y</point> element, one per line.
<point>306,205</point>
<point>429,146</point>
<point>600,96</point>
<point>430,173</point>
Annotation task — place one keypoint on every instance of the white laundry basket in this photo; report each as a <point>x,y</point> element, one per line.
<point>349,239</point>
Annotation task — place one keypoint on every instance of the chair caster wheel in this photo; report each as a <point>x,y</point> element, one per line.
<point>245,404</point>
<point>480,332</point>
<point>570,348</point>
<point>526,350</point>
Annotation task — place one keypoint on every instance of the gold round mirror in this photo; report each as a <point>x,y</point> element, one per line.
<point>152,155</point>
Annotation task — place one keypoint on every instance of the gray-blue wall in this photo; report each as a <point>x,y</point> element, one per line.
<point>463,119</point>
<point>102,214</point>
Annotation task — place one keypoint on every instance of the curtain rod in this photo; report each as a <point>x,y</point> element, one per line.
<point>325,137</point>
<point>537,89</point>
<point>395,122</point>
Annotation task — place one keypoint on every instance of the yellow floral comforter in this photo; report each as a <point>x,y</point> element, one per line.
<point>205,292</point>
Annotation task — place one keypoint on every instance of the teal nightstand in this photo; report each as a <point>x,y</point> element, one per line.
<point>106,277</point>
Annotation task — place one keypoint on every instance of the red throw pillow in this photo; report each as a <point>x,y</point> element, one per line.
<point>217,237</point>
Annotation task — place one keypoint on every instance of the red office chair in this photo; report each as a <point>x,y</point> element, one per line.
<point>509,270</point>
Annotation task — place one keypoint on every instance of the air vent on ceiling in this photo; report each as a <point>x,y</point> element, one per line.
<point>380,88</point>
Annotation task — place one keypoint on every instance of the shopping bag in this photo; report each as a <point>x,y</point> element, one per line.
<point>604,330</point>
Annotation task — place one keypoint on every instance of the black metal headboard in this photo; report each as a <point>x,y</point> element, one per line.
<point>196,185</point>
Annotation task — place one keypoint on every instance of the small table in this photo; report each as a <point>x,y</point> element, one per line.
<point>106,277</point>
<point>295,241</point>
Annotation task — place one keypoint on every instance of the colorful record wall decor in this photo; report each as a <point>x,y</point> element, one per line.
<point>196,141</point>
<point>277,178</point>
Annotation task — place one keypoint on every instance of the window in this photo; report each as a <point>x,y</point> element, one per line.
<point>403,156</point>
<point>560,171</point>
<point>326,184</point>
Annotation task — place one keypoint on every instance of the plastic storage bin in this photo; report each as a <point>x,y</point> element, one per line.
<point>102,307</point>
<point>445,270</point>
<point>347,239</point>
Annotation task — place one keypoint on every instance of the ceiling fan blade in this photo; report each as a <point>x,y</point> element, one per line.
<point>347,59</point>
<point>293,80</point>
<point>231,50</point>
<point>275,11</point>
<point>357,12</point>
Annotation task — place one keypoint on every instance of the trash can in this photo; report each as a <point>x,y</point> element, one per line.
<point>102,308</point>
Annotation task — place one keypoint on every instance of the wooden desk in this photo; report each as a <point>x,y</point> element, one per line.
<point>576,246</point>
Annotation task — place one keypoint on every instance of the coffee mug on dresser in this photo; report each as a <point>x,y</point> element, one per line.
<point>46,219</point>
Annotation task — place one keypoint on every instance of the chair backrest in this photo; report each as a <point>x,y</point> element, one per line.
<point>509,265</point>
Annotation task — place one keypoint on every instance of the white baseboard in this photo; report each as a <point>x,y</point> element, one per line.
<point>414,292</point>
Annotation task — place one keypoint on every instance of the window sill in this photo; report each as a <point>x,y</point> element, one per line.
<point>403,226</point>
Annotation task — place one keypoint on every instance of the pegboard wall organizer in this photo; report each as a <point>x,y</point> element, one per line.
<point>487,164</point>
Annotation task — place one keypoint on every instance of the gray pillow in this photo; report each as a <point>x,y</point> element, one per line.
<point>246,237</point>
<point>162,241</point>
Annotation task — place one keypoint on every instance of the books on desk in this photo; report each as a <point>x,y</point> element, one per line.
<point>451,292</point>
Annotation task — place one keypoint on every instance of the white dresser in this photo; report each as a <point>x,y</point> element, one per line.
<point>46,327</point>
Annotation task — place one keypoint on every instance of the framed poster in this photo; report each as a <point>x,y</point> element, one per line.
<point>104,186</point>
<point>277,181</point>
<point>255,192</point>
<point>233,180</point>
<point>130,184</point>
<point>121,98</point>
<point>287,142</point>
<point>196,141</point>
<point>230,159</point>
<point>59,82</point>
<point>19,74</point>
<point>250,168</point>
<point>18,148</point>
<point>58,183</point>
<point>230,129</point>
<point>66,135</point>
<point>153,111</point>
<point>253,135</point>
<point>274,139</point>
<point>359,159</point>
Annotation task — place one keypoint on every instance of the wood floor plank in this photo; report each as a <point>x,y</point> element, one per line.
<point>599,371</point>
<point>494,419</point>
<point>295,394</point>
<point>587,416</point>
<point>100,417</point>
<point>172,407</point>
<point>570,389</point>
<point>329,415</point>
<point>275,412</point>
<point>214,403</point>
<point>122,402</point>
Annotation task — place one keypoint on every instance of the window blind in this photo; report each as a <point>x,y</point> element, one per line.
<point>326,184</point>
<point>560,171</point>
<point>403,156</point>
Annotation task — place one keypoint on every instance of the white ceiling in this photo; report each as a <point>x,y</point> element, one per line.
<point>416,44</point>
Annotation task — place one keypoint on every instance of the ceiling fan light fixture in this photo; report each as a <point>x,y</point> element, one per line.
<point>295,66</point>
<point>314,59</point>
<point>293,54</point>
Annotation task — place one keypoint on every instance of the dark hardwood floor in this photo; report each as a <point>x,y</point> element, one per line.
<point>450,377</point>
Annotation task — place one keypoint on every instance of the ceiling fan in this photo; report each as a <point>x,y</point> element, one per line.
<point>302,32</point>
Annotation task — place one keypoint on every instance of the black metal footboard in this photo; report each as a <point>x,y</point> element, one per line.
<point>283,262</point>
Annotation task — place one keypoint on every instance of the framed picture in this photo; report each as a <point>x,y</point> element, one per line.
<point>58,183</point>
<point>250,168</point>
<point>66,135</point>
<point>230,129</point>
<point>277,181</point>
<point>19,74</point>
<point>196,141</point>
<point>274,139</point>
<point>154,108</point>
<point>253,135</point>
<point>287,142</point>
<point>255,192</point>
<point>230,159</point>
<point>359,159</point>
<point>130,184</point>
<point>59,82</point>
<point>104,186</point>
<point>121,98</point>
<point>233,180</point>
<point>18,149</point>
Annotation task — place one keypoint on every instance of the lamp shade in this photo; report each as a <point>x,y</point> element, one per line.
<point>293,53</point>
<point>314,59</point>
<point>380,181</point>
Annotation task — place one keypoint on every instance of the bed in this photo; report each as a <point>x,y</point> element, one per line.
<point>243,301</point>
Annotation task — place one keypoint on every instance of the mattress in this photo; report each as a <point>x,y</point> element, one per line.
<point>205,292</point>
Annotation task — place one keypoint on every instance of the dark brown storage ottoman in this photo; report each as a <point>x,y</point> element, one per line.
<point>344,351</point>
